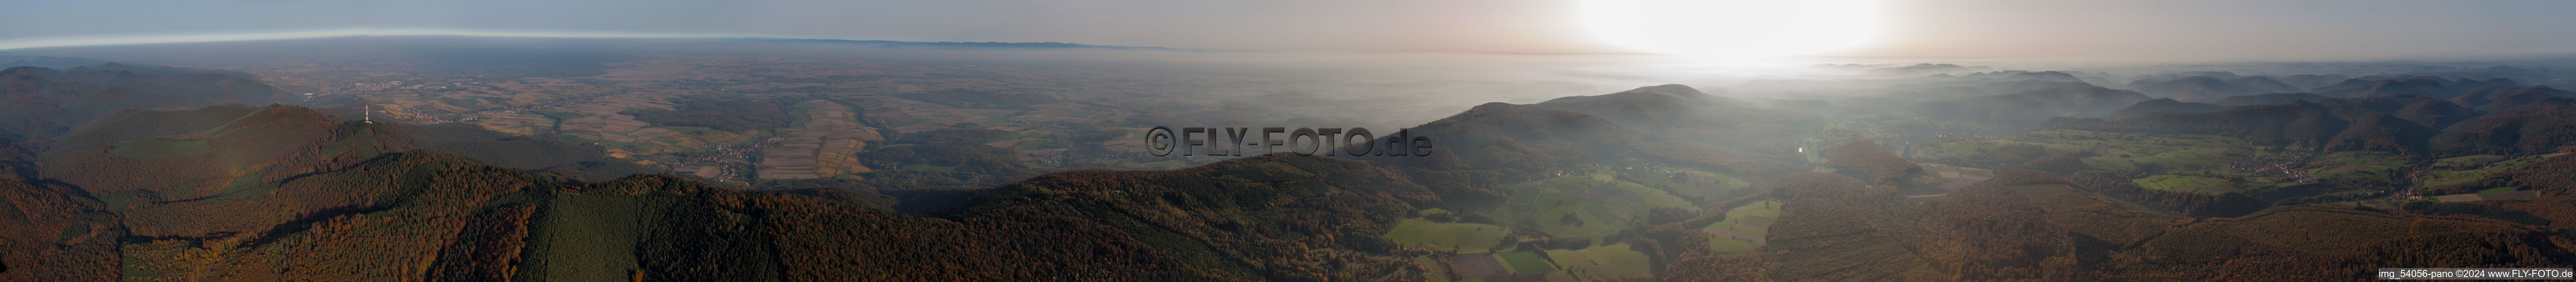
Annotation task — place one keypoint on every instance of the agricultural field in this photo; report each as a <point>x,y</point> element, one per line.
<point>1563,215</point>
<point>826,142</point>
<point>2498,193</point>
<point>2357,166</point>
<point>2470,168</point>
<point>1599,262</point>
<point>1695,183</point>
<point>2203,185</point>
<point>1588,207</point>
<point>2493,191</point>
<point>1753,219</point>
<point>2117,151</point>
<point>1627,191</point>
<point>1463,237</point>
<point>2467,162</point>
<point>1525,262</point>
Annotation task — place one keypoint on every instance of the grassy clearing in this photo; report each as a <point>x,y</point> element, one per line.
<point>2474,168</point>
<point>2357,165</point>
<point>2117,151</point>
<point>1657,198</point>
<point>1524,262</point>
<point>1552,199</point>
<point>1553,221</point>
<point>1764,208</point>
<point>1567,181</point>
<point>1660,177</point>
<point>1464,237</point>
<point>1601,175</point>
<point>1724,182</point>
<point>1739,216</point>
<point>1604,178</point>
<point>1719,181</point>
<point>2195,184</point>
<point>2493,191</point>
<point>1527,191</point>
<point>2467,161</point>
<point>2440,178</point>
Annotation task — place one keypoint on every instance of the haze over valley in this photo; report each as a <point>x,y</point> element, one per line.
<point>1664,150</point>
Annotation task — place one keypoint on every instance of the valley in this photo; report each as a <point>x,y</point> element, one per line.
<point>698,166</point>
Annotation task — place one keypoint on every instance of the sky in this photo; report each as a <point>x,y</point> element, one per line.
<point>2165,30</point>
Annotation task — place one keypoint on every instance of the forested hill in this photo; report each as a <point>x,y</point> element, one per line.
<point>455,218</point>
<point>42,102</point>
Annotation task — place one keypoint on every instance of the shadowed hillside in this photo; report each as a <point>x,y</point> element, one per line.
<point>2161,105</point>
<point>42,102</point>
<point>2026,224</point>
<point>2537,127</point>
<point>2013,111</point>
<point>190,156</point>
<point>1519,139</point>
<point>1293,219</point>
<point>2267,99</point>
<point>1682,112</point>
<point>2197,88</point>
<point>2391,122</point>
<point>2496,98</point>
<point>2357,88</point>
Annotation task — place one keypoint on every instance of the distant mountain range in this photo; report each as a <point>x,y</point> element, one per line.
<point>969,45</point>
<point>2013,111</point>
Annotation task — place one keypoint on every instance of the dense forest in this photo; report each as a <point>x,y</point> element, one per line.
<point>1294,219</point>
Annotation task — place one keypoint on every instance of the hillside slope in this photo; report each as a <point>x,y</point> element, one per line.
<point>42,102</point>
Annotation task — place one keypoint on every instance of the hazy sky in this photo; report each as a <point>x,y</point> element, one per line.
<point>2163,30</point>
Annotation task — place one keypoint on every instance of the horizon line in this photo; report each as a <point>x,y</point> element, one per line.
<point>14,44</point>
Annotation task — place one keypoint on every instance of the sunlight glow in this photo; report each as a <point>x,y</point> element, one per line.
<point>1732,28</point>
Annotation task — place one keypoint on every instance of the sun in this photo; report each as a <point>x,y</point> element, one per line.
<point>1732,27</point>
